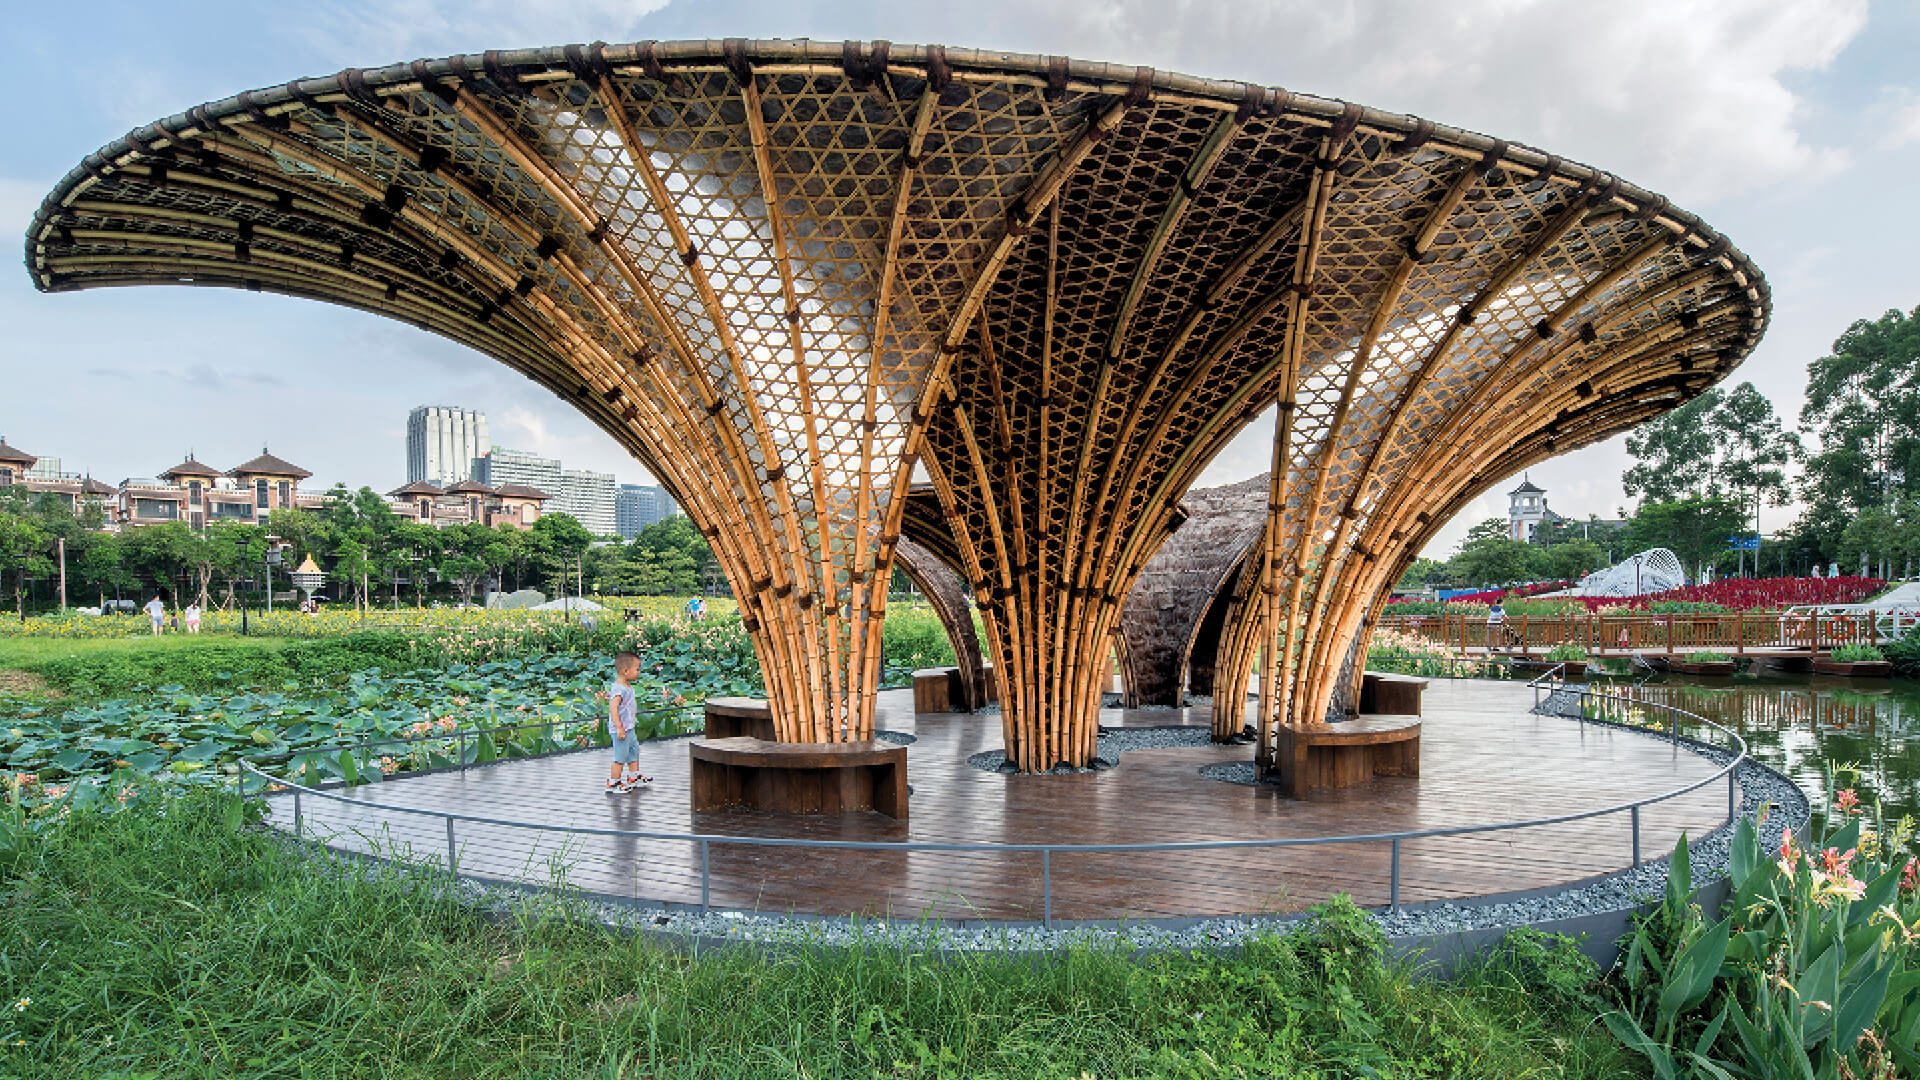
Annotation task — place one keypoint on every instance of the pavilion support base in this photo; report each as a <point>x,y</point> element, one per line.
<point>1331,756</point>
<point>732,717</point>
<point>799,778</point>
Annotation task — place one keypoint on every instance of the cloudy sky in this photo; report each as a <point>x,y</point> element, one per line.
<point>1792,125</point>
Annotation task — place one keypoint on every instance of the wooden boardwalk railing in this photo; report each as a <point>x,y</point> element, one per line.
<point>1639,632</point>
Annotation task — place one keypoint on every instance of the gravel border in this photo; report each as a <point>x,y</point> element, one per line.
<point>1107,748</point>
<point>688,926</point>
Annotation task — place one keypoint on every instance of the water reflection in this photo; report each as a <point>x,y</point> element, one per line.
<point>1807,726</point>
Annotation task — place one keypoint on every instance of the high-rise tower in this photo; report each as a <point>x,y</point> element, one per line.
<point>442,442</point>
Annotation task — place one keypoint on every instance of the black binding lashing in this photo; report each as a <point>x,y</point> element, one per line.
<point>1252,98</point>
<point>353,82</point>
<point>1141,90</point>
<point>939,73</point>
<point>1350,114</point>
<point>1056,78</point>
<point>547,248</point>
<point>735,50</point>
<point>650,61</point>
<point>1490,159</point>
<point>853,64</point>
<point>1415,139</point>
<point>1651,209</point>
<point>432,158</point>
<point>877,58</point>
<point>496,71</point>
<point>252,108</point>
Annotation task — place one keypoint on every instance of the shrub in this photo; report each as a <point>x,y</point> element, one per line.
<point>1567,654</point>
<point>1706,656</point>
<point>1857,654</point>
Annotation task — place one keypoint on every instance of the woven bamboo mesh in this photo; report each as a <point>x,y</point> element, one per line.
<point>788,276</point>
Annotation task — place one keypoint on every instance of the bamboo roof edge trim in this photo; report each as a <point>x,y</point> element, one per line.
<point>1100,76</point>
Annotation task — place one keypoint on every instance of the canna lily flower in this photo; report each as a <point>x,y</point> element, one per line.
<point>1833,861</point>
<point>1847,802</point>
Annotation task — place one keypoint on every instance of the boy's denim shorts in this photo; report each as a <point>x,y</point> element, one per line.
<point>626,750</point>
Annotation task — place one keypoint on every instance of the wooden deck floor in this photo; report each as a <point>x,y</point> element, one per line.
<point>1485,759</point>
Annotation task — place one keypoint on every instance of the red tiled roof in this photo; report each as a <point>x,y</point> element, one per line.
<point>418,487</point>
<point>190,467</point>
<point>90,486</point>
<point>521,491</point>
<point>12,455</point>
<point>268,465</point>
<point>470,487</point>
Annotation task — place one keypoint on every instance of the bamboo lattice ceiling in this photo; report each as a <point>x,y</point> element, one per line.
<point>785,274</point>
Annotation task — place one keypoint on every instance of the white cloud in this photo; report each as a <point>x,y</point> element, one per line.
<point>1690,97</point>
<point>1901,110</point>
<point>369,33</point>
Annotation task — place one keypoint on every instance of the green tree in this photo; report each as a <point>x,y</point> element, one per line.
<point>1573,559</point>
<point>100,566</point>
<point>469,552</point>
<point>1419,573</point>
<point>1695,528</point>
<point>160,554</point>
<point>1863,415</point>
<point>1673,454</point>
<point>1754,452</point>
<point>559,542</point>
<point>1488,557</point>
<point>23,545</point>
<point>304,529</point>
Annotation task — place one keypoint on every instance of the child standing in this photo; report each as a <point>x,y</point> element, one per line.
<point>625,775</point>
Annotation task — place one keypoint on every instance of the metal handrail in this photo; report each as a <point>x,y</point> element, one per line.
<point>1045,851</point>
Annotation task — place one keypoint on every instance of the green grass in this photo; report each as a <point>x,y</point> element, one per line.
<point>97,668</point>
<point>161,941</point>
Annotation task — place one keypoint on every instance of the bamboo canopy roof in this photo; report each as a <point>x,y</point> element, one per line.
<point>789,275</point>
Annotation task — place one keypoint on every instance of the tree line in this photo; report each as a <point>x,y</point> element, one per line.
<point>1704,471</point>
<point>371,555</point>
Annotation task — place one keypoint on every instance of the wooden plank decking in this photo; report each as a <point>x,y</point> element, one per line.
<point>1485,759</point>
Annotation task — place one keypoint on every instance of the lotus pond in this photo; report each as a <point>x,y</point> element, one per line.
<point>102,722</point>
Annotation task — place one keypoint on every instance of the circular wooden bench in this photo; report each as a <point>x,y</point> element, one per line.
<point>937,690</point>
<point>731,717</point>
<point>1386,692</point>
<point>1319,756</point>
<point>799,778</point>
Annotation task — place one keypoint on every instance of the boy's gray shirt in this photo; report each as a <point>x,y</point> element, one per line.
<point>623,696</point>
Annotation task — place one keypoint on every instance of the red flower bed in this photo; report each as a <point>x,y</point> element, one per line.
<point>1488,596</point>
<point>1751,594</point>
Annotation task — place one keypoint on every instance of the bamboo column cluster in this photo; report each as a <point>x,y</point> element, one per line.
<point>798,279</point>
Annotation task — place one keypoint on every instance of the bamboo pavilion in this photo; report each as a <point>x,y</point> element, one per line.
<point>839,296</point>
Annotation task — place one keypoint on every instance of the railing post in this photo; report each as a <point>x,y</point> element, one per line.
<point>296,813</point>
<point>1740,634</point>
<point>463,749</point>
<point>1046,888</point>
<point>1636,836</point>
<point>1733,804</point>
<point>453,859</point>
<point>706,877</point>
<point>1393,880</point>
